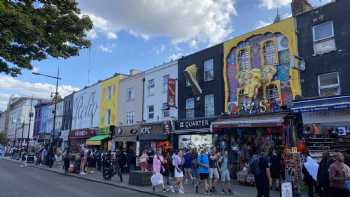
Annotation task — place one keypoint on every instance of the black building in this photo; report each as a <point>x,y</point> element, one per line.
<point>324,45</point>
<point>201,93</point>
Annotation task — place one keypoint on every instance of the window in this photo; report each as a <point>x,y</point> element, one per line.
<point>108,117</point>
<point>109,92</point>
<point>209,105</point>
<point>166,110</point>
<point>130,94</point>
<point>190,108</point>
<point>165,83</point>
<point>243,60</point>
<point>269,53</point>
<point>151,87</point>
<point>328,84</point>
<point>323,36</point>
<point>130,116</point>
<point>209,70</point>
<point>150,112</point>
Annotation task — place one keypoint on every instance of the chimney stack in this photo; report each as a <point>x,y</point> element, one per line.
<point>133,72</point>
<point>300,6</point>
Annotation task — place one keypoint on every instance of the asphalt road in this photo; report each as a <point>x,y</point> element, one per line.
<point>31,182</point>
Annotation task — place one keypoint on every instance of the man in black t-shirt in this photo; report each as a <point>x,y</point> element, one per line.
<point>262,176</point>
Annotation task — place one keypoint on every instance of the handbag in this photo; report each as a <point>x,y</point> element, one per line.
<point>157,179</point>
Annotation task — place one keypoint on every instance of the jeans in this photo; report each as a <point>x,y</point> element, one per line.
<point>337,192</point>
<point>263,189</point>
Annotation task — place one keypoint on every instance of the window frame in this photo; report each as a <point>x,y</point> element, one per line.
<point>187,109</point>
<point>109,92</point>
<point>149,112</point>
<point>249,66</point>
<point>274,50</point>
<point>130,117</point>
<point>165,80</point>
<point>132,95</point>
<point>323,39</point>
<point>206,105</point>
<point>151,88</point>
<point>328,86</point>
<point>205,70</point>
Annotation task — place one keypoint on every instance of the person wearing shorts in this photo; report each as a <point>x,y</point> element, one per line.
<point>225,173</point>
<point>178,171</point>
<point>203,170</point>
<point>213,169</point>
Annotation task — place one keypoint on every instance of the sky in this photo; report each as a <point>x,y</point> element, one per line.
<point>141,34</point>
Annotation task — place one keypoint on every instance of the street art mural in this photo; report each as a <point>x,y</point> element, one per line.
<point>259,70</point>
<point>85,108</point>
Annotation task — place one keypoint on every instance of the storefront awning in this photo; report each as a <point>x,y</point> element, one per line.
<point>192,131</point>
<point>268,120</point>
<point>322,104</point>
<point>96,140</point>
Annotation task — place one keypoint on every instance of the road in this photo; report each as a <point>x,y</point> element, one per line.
<point>17,181</point>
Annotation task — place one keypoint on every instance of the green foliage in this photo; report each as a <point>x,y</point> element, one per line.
<point>3,138</point>
<point>35,29</point>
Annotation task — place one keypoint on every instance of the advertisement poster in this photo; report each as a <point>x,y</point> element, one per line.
<point>171,93</point>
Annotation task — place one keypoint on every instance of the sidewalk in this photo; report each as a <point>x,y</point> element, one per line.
<point>95,176</point>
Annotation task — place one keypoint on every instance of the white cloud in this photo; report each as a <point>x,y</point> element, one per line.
<point>262,23</point>
<point>207,21</point>
<point>92,34</point>
<point>111,35</point>
<point>175,56</point>
<point>36,69</point>
<point>10,85</point>
<point>105,49</point>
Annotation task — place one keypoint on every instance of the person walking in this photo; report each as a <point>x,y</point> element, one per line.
<point>178,171</point>
<point>121,162</point>
<point>143,161</point>
<point>158,161</point>
<point>309,181</point>
<point>166,166</point>
<point>203,170</point>
<point>323,175</point>
<point>66,161</point>
<point>260,168</point>
<point>275,167</point>
<point>339,172</point>
<point>213,169</point>
<point>188,166</point>
<point>225,174</point>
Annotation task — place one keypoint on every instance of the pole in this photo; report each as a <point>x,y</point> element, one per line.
<point>30,121</point>
<point>22,137</point>
<point>55,108</point>
<point>16,133</point>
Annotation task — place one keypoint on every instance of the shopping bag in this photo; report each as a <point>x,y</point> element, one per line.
<point>157,179</point>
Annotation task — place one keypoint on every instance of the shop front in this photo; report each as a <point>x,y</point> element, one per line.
<point>155,135</point>
<point>126,138</point>
<point>79,137</point>
<point>193,133</point>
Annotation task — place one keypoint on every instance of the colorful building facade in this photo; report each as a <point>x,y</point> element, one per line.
<point>109,107</point>
<point>261,70</point>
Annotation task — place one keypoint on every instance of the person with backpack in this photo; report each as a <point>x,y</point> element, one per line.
<point>203,170</point>
<point>225,174</point>
<point>261,171</point>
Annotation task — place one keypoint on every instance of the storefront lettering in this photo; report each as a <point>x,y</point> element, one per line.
<point>195,124</point>
<point>146,130</point>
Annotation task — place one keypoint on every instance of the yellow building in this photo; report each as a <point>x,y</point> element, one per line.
<point>261,69</point>
<point>109,109</point>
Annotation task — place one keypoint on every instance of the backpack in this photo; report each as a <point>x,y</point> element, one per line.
<point>254,166</point>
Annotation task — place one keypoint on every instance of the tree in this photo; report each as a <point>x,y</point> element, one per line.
<point>36,29</point>
<point>3,138</point>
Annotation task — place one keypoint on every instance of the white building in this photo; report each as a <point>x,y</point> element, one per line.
<point>155,93</point>
<point>3,122</point>
<point>19,120</point>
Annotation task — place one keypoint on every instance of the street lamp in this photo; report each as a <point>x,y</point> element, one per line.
<point>31,114</point>
<point>57,77</point>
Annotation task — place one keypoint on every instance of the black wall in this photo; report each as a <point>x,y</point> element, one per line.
<point>215,86</point>
<point>67,112</point>
<point>336,61</point>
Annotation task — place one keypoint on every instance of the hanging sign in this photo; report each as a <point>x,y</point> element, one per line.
<point>171,100</point>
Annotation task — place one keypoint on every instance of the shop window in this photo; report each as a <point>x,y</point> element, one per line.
<point>150,112</point>
<point>209,105</point>
<point>323,37</point>
<point>269,53</point>
<point>130,94</point>
<point>190,108</point>
<point>151,87</point>
<point>165,83</point>
<point>109,92</point>
<point>209,70</point>
<point>329,84</point>
<point>243,60</point>
<point>130,116</point>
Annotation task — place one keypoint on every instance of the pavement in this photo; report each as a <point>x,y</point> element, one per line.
<point>95,178</point>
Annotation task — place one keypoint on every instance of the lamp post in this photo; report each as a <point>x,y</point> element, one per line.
<point>57,77</point>
<point>31,114</point>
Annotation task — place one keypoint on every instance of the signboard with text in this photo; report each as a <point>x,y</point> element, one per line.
<point>193,124</point>
<point>171,100</point>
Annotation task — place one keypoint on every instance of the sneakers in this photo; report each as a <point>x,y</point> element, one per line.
<point>82,173</point>
<point>181,191</point>
<point>230,191</point>
<point>172,189</point>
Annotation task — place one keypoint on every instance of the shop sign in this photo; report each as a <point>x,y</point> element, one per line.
<point>171,93</point>
<point>145,130</point>
<point>292,150</point>
<point>127,131</point>
<point>82,133</point>
<point>193,124</point>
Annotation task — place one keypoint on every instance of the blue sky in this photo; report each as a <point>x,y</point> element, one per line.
<point>144,33</point>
